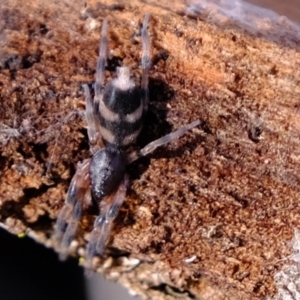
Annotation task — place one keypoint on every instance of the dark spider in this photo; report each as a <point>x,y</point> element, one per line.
<point>114,118</point>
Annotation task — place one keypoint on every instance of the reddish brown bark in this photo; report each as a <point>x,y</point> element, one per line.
<point>206,216</point>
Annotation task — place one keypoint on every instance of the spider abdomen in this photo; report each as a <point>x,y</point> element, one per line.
<point>121,110</point>
<point>107,169</point>
<point>122,102</point>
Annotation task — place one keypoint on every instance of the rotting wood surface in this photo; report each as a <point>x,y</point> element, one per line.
<point>206,217</point>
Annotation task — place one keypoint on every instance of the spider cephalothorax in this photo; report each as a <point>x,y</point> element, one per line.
<point>114,118</point>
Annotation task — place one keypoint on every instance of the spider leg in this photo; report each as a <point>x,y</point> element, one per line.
<point>78,195</point>
<point>162,141</point>
<point>93,126</point>
<point>99,86</point>
<point>109,208</point>
<point>145,62</point>
<point>92,107</point>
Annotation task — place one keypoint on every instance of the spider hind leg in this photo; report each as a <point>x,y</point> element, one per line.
<point>109,209</point>
<point>78,196</point>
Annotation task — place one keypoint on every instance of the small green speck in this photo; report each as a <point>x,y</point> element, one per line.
<point>81,260</point>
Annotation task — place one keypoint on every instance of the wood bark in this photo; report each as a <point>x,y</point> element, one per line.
<point>206,217</point>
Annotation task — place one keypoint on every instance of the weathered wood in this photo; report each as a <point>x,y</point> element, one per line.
<point>207,216</point>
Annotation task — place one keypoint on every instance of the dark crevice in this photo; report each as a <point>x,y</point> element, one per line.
<point>113,63</point>
<point>44,223</point>
<point>171,290</point>
<point>254,134</point>
<point>14,62</point>
<point>12,208</point>
<point>161,55</point>
<point>239,199</point>
<point>29,60</point>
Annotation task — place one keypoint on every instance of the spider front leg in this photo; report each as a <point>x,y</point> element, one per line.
<point>92,106</point>
<point>145,62</point>
<point>109,209</point>
<point>93,125</point>
<point>99,86</point>
<point>78,196</point>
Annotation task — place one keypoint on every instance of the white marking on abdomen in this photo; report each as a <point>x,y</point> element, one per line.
<point>107,135</point>
<point>107,114</point>
<point>135,116</point>
<point>131,137</point>
<point>123,81</point>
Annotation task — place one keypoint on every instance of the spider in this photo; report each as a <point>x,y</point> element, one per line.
<point>114,120</point>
